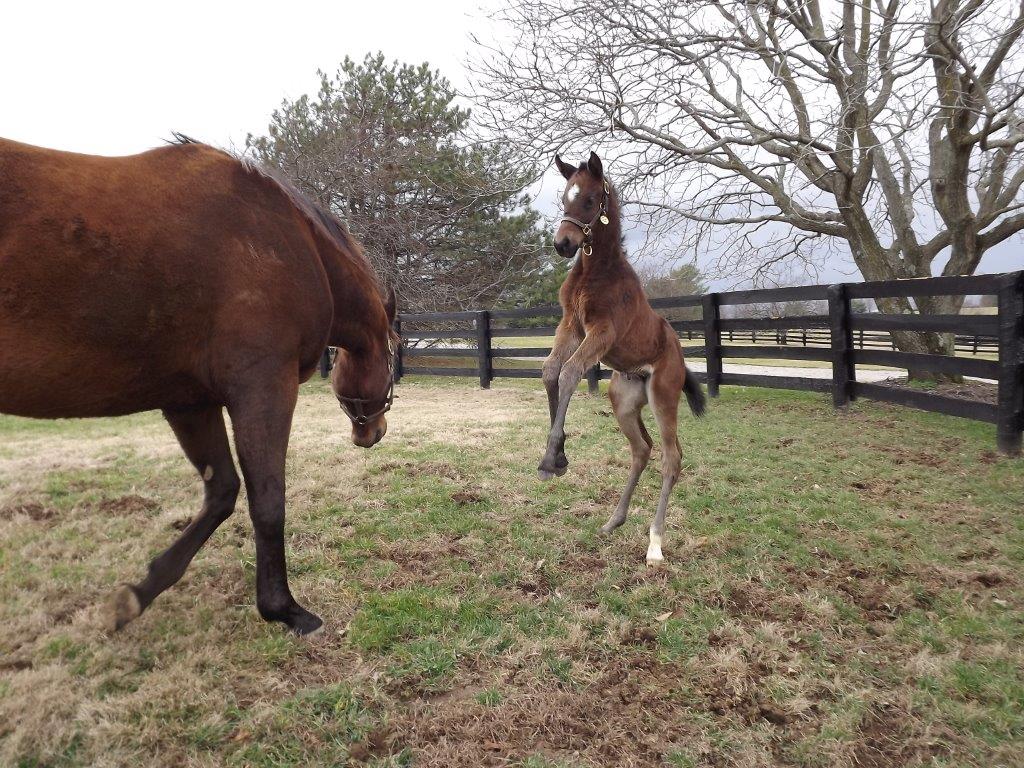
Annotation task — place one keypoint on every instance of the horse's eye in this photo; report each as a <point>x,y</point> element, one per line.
<point>589,202</point>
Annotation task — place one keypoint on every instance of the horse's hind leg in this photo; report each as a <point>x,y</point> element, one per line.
<point>205,442</point>
<point>262,419</point>
<point>664,390</point>
<point>628,398</point>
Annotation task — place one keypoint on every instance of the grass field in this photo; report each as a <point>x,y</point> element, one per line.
<point>839,590</point>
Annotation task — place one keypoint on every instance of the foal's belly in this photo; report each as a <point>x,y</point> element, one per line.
<point>627,363</point>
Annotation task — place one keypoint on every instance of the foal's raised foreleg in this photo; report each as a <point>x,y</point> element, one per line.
<point>594,345</point>
<point>262,418</point>
<point>205,442</point>
<point>564,346</point>
<point>628,396</point>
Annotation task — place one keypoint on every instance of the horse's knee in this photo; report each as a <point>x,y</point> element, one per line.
<point>221,492</point>
<point>549,373</point>
<point>642,454</point>
<point>671,465</point>
<point>568,378</point>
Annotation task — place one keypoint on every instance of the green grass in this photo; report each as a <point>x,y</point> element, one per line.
<point>840,589</point>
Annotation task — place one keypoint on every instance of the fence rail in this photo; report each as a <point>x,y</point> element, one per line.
<point>843,337</point>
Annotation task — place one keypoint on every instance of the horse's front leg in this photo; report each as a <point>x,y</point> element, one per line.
<point>262,419</point>
<point>591,349</point>
<point>564,346</point>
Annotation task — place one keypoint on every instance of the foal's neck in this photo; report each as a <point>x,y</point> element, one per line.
<point>607,244</point>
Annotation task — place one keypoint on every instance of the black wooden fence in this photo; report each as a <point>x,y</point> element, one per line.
<point>476,337</point>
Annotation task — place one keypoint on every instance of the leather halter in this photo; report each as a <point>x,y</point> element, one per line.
<point>353,406</point>
<point>587,227</point>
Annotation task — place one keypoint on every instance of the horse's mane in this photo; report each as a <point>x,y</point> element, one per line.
<point>329,225</point>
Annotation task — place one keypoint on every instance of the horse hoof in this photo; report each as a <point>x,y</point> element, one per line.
<point>611,525</point>
<point>305,624</point>
<point>121,607</point>
<point>545,474</point>
<point>655,562</point>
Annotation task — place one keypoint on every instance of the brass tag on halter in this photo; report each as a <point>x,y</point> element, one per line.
<point>604,219</point>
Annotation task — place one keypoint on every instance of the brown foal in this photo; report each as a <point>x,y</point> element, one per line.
<point>606,318</point>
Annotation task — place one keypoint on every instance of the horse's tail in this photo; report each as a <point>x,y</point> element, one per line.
<point>694,393</point>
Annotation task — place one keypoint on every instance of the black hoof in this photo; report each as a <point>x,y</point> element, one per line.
<point>306,625</point>
<point>298,619</point>
<point>549,469</point>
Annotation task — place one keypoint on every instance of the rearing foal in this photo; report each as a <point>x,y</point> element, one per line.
<point>606,318</point>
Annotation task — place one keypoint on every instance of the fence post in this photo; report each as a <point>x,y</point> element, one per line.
<point>483,347</point>
<point>712,342</point>
<point>843,371</point>
<point>325,363</point>
<point>399,351</point>
<point>1010,407</point>
<point>593,379</point>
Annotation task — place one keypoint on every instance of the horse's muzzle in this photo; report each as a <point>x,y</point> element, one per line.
<point>368,435</point>
<point>566,248</point>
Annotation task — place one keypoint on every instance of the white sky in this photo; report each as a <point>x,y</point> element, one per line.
<point>115,78</point>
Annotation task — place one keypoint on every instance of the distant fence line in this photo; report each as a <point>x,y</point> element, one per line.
<point>849,339</point>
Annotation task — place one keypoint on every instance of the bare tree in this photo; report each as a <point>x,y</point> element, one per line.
<point>770,131</point>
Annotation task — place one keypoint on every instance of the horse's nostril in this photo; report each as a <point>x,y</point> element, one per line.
<point>378,436</point>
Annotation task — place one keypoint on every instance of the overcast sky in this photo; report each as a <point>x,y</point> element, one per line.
<point>117,78</point>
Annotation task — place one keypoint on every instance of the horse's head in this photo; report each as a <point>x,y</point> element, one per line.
<point>585,200</point>
<point>363,380</point>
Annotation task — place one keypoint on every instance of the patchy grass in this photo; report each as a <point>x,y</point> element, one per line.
<point>841,589</point>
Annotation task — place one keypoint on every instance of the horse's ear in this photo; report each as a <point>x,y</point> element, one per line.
<point>391,305</point>
<point>564,168</point>
<point>595,167</point>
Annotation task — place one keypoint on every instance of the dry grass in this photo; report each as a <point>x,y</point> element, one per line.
<point>841,590</point>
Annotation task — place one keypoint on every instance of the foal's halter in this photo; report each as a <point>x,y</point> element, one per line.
<point>353,407</point>
<point>588,226</point>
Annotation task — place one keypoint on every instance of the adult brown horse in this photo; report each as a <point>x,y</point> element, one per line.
<point>606,317</point>
<point>186,280</point>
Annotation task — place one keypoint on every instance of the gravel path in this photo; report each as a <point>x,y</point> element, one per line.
<point>810,373</point>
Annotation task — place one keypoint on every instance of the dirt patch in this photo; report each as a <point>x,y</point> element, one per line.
<point>33,511</point>
<point>422,562</point>
<point>890,736</point>
<point>901,455</point>
<point>743,699</point>
<point>584,563</point>
<point>535,585</point>
<point>754,600</point>
<point>464,497</point>
<point>968,389</point>
<point>878,488</point>
<point>123,506</point>
<point>618,719</point>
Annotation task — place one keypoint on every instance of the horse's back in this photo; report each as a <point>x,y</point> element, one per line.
<point>124,282</point>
